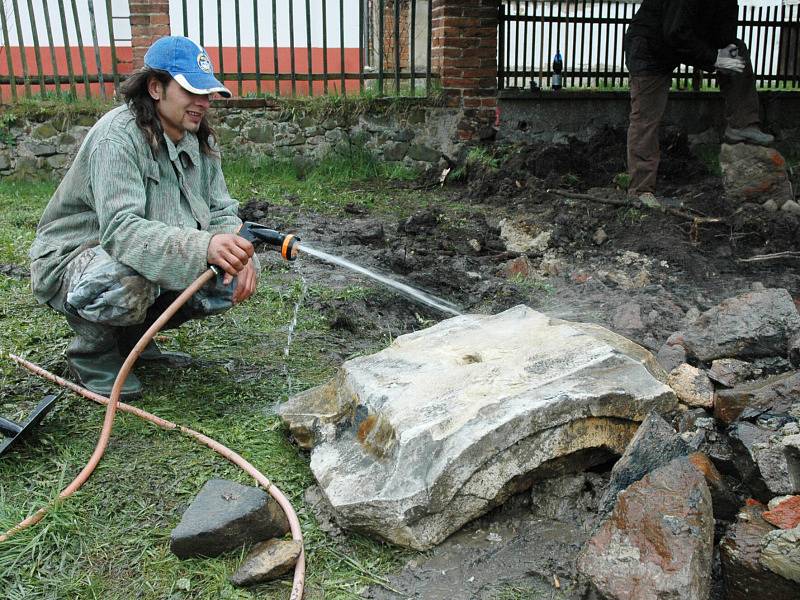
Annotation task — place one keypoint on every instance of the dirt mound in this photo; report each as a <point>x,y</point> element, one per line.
<point>579,165</point>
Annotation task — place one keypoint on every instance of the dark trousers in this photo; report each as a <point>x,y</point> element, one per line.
<point>649,92</point>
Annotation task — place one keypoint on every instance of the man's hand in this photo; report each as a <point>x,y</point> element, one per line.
<point>246,283</point>
<point>230,252</point>
<point>728,60</point>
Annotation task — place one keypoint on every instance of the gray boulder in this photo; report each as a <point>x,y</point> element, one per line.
<point>757,323</point>
<point>416,440</point>
<point>224,516</point>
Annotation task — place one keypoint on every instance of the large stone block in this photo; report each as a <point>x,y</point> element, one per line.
<point>416,440</point>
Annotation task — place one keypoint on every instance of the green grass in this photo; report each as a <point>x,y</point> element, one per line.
<point>350,174</point>
<point>111,539</point>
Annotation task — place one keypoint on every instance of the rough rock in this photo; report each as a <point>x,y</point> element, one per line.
<point>754,174</point>
<point>724,501</point>
<point>670,356</point>
<point>226,515</point>
<point>753,324</point>
<point>778,460</point>
<point>744,576</point>
<point>448,422</point>
<point>567,498</point>
<point>658,542</point>
<point>517,267</point>
<point>692,386</point>
<point>794,349</point>
<point>627,317</point>
<point>774,394</point>
<point>267,561</point>
<point>791,207</point>
<point>729,371</point>
<point>655,444</point>
<point>780,553</point>
<point>746,439</point>
<point>786,514</point>
<point>521,237</point>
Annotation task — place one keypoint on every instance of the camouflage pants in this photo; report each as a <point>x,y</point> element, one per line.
<point>99,295</point>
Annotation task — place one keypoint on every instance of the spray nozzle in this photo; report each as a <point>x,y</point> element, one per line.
<point>285,243</point>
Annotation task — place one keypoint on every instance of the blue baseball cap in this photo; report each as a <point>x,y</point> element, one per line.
<point>187,62</point>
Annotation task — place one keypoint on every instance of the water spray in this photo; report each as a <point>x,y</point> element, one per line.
<point>289,246</point>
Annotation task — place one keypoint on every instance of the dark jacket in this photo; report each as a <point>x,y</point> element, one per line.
<point>666,33</point>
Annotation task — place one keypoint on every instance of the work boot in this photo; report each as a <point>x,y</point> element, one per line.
<point>749,135</point>
<point>94,360</point>
<point>128,337</point>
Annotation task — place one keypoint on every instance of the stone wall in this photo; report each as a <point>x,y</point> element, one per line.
<point>414,135</point>
<point>546,117</point>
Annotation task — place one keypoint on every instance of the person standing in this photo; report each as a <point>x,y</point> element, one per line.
<point>699,33</point>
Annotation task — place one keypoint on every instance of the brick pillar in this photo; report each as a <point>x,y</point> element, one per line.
<point>149,21</point>
<point>465,56</point>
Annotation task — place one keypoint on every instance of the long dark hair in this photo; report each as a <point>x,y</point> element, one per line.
<point>137,97</point>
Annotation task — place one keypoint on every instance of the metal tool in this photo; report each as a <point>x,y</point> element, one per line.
<point>13,432</point>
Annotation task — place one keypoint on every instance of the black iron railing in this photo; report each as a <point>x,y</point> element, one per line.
<point>589,37</point>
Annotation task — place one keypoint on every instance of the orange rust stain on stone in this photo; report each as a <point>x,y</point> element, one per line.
<point>366,426</point>
<point>777,159</point>
<point>703,464</point>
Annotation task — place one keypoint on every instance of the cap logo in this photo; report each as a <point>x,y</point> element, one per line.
<point>203,62</point>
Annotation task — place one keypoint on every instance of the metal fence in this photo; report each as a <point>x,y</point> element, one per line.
<point>313,47</point>
<point>63,46</point>
<point>589,37</point>
<point>282,47</point>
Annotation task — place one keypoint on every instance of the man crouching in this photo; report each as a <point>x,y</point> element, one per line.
<point>140,214</point>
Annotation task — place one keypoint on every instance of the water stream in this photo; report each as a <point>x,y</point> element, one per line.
<point>406,290</point>
<point>290,335</point>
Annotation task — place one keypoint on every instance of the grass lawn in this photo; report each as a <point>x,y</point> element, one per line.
<point>111,539</point>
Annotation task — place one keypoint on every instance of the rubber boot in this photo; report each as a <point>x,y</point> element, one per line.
<point>95,361</point>
<point>127,338</point>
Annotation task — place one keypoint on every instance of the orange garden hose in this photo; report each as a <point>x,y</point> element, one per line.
<point>112,404</point>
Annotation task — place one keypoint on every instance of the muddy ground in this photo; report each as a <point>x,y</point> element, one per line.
<point>652,273</point>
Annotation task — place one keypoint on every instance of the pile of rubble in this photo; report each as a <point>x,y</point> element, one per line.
<point>447,423</point>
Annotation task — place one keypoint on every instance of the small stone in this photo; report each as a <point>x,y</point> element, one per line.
<point>791,207</point>
<point>261,135</point>
<point>770,205</point>
<point>730,371</point>
<point>475,245</point>
<point>780,553</point>
<point>599,237</point>
<point>44,131</point>
<point>267,561</point>
<point>692,386</point>
<point>786,514</point>
<point>517,267</point>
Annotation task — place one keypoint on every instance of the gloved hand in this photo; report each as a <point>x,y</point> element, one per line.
<point>728,60</point>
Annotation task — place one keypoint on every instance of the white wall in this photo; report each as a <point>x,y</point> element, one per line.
<point>121,26</point>
<point>247,19</point>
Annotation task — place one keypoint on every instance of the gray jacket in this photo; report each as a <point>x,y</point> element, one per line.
<point>155,213</point>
